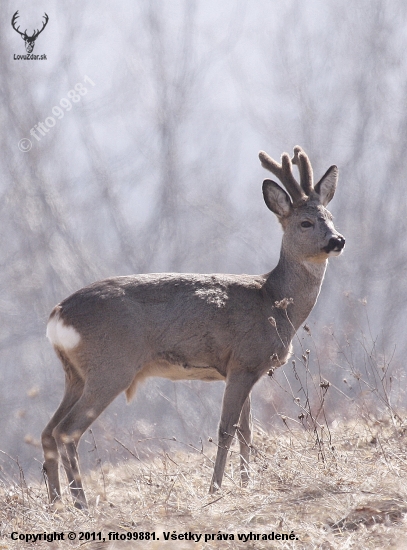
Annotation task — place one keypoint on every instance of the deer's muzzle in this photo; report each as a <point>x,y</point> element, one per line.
<point>335,244</point>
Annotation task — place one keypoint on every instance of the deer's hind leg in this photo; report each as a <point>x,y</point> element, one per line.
<point>73,390</point>
<point>100,390</point>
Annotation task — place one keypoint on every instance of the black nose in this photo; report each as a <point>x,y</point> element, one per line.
<point>335,244</point>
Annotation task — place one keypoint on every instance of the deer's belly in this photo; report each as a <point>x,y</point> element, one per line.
<point>184,371</point>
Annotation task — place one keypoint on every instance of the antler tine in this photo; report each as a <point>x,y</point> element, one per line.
<point>13,23</point>
<point>45,16</point>
<point>304,167</point>
<point>284,173</point>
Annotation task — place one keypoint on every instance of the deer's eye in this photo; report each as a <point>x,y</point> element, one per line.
<point>306,224</point>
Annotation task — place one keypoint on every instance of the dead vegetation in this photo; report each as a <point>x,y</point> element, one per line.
<point>355,498</point>
<point>328,481</point>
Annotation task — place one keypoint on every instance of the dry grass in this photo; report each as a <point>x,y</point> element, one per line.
<point>333,484</point>
<point>353,494</point>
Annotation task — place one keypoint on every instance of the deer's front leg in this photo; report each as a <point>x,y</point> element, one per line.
<point>238,387</point>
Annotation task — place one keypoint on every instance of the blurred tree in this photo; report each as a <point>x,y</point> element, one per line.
<point>155,169</point>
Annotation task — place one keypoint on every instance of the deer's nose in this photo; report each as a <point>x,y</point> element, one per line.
<point>335,244</point>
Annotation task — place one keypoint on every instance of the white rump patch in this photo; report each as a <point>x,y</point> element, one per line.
<point>61,335</point>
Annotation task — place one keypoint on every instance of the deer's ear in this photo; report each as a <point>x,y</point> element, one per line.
<point>276,199</point>
<point>326,186</point>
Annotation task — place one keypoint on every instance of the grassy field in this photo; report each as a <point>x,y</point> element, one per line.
<point>318,481</point>
<point>342,489</point>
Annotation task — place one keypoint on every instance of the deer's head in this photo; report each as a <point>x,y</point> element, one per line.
<point>309,233</point>
<point>29,40</point>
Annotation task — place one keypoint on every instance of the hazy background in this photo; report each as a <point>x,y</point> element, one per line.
<point>154,168</point>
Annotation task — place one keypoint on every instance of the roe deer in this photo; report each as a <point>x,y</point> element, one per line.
<point>113,334</point>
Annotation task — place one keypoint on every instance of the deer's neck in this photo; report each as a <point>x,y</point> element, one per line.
<point>300,281</point>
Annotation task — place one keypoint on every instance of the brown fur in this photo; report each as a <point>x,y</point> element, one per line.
<point>113,334</point>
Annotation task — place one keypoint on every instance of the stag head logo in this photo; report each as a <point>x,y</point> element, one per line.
<point>29,40</point>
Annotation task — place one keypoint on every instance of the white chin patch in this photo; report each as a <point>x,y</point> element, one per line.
<point>335,253</point>
<point>61,335</point>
